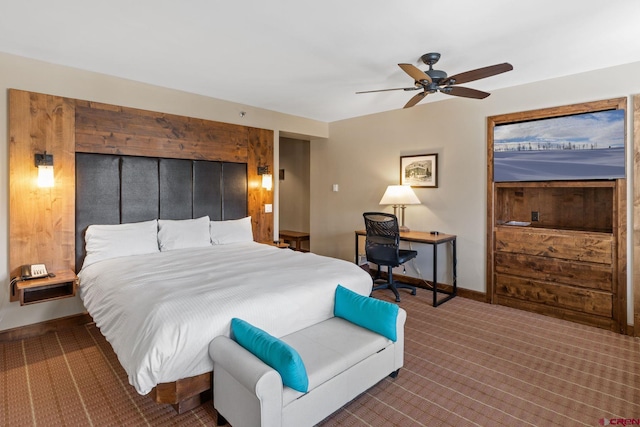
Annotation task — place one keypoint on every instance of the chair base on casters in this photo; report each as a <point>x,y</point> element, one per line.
<point>391,284</point>
<point>394,288</point>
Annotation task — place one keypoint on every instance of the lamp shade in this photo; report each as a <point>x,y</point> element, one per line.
<point>267,181</point>
<point>399,195</point>
<point>45,176</point>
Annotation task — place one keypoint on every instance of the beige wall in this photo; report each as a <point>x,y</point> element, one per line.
<point>36,76</point>
<point>294,196</point>
<point>362,155</point>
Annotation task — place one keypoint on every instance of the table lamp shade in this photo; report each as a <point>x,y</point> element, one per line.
<point>399,195</point>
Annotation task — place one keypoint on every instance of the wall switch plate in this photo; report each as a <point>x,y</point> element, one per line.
<point>535,216</point>
<point>336,188</point>
<point>268,208</point>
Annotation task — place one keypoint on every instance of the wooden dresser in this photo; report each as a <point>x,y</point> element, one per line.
<point>571,262</point>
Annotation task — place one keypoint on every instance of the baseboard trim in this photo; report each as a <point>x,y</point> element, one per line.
<point>474,295</point>
<point>37,329</point>
<point>631,331</point>
<point>425,284</point>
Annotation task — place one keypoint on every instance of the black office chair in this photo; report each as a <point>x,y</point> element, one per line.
<point>383,248</point>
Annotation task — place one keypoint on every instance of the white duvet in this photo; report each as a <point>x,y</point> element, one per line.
<point>160,311</point>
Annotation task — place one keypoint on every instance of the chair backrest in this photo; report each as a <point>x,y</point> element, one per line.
<point>383,238</point>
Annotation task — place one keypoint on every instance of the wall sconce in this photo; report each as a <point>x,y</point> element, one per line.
<point>267,178</point>
<point>399,196</point>
<point>44,163</point>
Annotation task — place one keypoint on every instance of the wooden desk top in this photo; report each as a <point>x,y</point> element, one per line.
<point>419,236</point>
<point>293,234</point>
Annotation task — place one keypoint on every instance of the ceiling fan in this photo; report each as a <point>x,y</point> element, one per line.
<point>432,81</point>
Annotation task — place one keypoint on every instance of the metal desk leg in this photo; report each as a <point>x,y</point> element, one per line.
<point>454,291</point>
<point>455,264</point>
<point>435,274</point>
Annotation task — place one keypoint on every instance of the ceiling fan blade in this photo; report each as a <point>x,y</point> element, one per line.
<point>415,99</point>
<point>478,74</point>
<point>464,92</point>
<point>416,73</point>
<point>385,90</point>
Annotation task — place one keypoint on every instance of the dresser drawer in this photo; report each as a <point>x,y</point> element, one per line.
<point>569,245</point>
<point>580,274</point>
<point>555,295</point>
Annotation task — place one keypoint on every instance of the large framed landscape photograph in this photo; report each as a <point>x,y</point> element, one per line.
<point>581,146</point>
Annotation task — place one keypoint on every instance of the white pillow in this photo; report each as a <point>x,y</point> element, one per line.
<point>117,240</point>
<point>231,231</point>
<point>183,233</point>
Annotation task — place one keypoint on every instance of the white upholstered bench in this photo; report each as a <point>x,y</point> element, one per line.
<point>342,360</point>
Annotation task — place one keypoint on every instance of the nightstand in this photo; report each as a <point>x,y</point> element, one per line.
<point>63,285</point>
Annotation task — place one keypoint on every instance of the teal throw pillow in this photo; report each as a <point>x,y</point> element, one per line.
<point>370,313</point>
<point>274,352</point>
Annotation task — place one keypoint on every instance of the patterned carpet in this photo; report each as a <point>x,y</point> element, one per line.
<point>466,364</point>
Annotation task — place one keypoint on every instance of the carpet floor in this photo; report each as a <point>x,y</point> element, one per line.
<point>466,364</point>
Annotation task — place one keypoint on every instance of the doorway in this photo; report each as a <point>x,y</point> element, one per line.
<point>294,186</point>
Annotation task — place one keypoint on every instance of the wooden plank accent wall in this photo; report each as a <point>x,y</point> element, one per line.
<point>109,129</point>
<point>42,221</point>
<point>636,214</point>
<point>260,154</point>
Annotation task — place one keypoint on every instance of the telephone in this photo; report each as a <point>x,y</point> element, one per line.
<point>33,271</point>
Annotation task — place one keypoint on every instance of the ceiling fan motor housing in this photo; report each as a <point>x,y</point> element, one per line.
<point>436,75</point>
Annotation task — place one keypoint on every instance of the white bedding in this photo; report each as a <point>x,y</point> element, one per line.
<point>160,311</point>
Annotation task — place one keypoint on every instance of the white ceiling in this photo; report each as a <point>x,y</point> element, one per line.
<point>308,58</point>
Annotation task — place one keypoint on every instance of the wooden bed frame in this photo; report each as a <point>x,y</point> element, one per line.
<point>185,394</point>
<point>42,226</point>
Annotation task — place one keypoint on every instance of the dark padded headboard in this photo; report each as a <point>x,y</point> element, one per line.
<point>112,189</point>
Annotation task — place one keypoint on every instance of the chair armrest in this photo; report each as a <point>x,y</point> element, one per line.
<point>251,372</point>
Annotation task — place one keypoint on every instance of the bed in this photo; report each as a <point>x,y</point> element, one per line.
<point>159,308</point>
<point>160,311</point>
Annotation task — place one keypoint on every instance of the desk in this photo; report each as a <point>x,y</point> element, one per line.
<point>434,240</point>
<point>296,237</point>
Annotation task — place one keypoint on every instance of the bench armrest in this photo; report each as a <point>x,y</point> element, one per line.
<point>235,366</point>
<point>399,345</point>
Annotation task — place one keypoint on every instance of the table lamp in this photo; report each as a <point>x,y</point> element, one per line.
<point>399,196</point>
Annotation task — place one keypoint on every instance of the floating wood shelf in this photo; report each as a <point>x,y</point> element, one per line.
<point>63,285</point>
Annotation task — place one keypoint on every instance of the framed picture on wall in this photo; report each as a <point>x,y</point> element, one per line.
<point>419,171</point>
